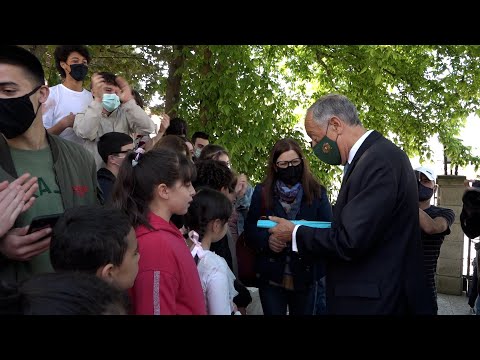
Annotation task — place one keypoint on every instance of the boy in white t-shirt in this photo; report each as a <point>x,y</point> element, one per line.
<point>69,97</point>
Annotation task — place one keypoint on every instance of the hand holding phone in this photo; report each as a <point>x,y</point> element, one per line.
<point>42,222</point>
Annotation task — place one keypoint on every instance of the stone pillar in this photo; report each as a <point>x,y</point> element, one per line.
<point>450,262</point>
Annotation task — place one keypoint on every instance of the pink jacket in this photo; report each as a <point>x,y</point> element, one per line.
<point>167,282</point>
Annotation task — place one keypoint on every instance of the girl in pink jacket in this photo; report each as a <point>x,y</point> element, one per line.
<point>150,188</point>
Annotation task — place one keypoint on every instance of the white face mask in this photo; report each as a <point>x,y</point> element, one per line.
<point>197,152</point>
<point>110,102</point>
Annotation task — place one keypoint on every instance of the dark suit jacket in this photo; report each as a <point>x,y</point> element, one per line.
<point>270,265</point>
<point>374,251</point>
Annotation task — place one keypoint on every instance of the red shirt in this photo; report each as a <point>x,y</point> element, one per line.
<point>167,282</point>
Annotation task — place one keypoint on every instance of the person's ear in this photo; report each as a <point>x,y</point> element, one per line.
<point>336,124</point>
<point>224,190</point>
<point>43,93</point>
<point>162,191</point>
<point>217,226</point>
<point>106,272</point>
<point>435,188</point>
<point>110,159</point>
<point>64,66</point>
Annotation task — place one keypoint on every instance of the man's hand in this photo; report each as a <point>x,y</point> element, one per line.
<point>98,83</point>
<point>125,90</point>
<point>164,124</point>
<point>17,245</point>
<point>15,198</point>
<point>241,187</point>
<point>276,245</point>
<point>68,120</point>
<point>281,232</point>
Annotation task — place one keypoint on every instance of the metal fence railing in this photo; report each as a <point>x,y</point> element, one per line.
<point>471,253</point>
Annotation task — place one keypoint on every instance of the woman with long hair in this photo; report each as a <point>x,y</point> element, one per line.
<point>290,191</point>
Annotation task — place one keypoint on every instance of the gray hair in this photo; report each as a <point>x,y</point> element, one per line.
<point>334,105</point>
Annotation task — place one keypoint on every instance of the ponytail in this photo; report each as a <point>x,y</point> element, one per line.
<point>140,174</point>
<point>123,197</point>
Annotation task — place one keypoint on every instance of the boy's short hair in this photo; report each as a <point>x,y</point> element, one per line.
<point>88,237</point>
<point>64,293</point>
<point>111,143</point>
<point>199,135</point>
<point>110,78</point>
<point>18,56</point>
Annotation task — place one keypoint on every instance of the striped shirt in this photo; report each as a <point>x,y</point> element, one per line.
<point>432,244</point>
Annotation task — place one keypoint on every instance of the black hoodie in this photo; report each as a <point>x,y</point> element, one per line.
<point>105,179</point>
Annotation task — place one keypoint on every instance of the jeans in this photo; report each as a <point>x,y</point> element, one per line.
<point>319,298</point>
<point>276,299</point>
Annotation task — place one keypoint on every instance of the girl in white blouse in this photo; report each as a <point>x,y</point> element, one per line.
<point>206,222</point>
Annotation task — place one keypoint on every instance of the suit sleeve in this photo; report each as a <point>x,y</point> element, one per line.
<point>154,293</point>
<point>362,220</point>
<point>255,237</point>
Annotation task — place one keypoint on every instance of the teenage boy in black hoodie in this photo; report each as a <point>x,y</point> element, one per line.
<point>113,147</point>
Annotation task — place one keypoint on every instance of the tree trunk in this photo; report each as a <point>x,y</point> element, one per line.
<point>206,68</point>
<point>172,94</point>
<point>37,50</point>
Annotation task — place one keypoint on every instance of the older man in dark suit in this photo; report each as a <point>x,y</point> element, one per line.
<point>373,248</point>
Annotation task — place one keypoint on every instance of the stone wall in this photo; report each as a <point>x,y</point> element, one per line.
<point>450,263</point>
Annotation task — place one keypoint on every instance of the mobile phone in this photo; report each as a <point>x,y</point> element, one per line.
<point>42,222</point>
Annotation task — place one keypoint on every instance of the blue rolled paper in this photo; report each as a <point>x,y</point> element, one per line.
<point>267,224</point>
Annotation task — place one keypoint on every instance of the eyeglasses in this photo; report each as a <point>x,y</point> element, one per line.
<point>285,164</point>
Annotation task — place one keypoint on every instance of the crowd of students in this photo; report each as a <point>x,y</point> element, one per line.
<point>147,222</point>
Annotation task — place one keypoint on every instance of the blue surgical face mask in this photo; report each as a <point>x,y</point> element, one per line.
<point>197,152</point>
<point>110,102</point>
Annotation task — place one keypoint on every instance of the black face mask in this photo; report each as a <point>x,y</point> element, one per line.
<point>78,71</point>
<point>424,193</point>
<point>290,175</point>
<point>17,115</point>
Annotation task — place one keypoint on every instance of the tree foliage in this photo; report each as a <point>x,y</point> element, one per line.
<point>249,96</point>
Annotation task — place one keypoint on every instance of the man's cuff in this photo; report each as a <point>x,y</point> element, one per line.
<point>294,238</point>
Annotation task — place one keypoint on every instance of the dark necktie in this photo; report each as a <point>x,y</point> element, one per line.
<point>345,168</point>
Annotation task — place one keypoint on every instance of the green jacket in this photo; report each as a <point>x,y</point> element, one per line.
<point>76,175</point>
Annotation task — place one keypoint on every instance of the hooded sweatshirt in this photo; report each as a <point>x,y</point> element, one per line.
<point>167,282</point>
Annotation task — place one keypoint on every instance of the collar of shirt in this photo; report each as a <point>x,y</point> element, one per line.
<point>357,145</point>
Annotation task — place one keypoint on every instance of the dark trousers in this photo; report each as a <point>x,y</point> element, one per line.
<point>276,299</point>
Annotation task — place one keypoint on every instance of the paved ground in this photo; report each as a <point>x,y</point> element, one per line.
<point>453,305</point>
<point>447,304</point>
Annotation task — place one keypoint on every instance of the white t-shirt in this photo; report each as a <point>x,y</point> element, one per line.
<point>61,102</point>
<point>217,283</point>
